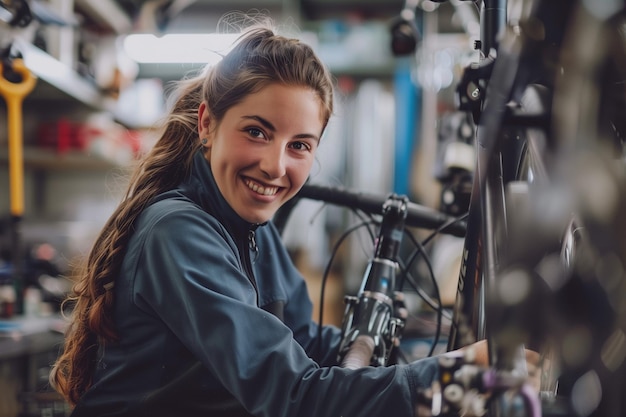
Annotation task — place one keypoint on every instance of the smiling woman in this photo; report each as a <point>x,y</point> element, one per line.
<point>262,150</point>
<point>189,303</point>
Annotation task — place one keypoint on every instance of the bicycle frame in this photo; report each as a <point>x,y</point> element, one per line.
<point>480,252</point>
<point>496,166</point>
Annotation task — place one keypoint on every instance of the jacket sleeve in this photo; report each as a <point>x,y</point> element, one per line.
<point>190,277</point>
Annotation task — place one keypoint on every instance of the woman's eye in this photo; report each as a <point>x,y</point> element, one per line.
<point>300,146</point>
<point>256,133</point>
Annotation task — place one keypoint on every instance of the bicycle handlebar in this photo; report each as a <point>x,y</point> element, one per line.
<point>417,215</point>
<point>360,353</point>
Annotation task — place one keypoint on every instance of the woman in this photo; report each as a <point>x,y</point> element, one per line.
<point>189,304</point>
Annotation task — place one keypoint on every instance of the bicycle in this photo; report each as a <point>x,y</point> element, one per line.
<point>372,318</point>
<point>547,181</point>
<point>542,104</point>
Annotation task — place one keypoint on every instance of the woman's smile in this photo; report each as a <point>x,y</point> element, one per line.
<point>258,188</point>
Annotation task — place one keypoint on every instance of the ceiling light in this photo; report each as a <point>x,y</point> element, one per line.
<point>178,48</point>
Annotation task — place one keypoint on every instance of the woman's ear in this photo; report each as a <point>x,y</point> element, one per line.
<point>204,124</point>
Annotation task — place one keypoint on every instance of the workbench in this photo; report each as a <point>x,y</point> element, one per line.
<point>28,347</point>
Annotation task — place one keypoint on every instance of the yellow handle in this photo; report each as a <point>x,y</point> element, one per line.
<point>14,94</point>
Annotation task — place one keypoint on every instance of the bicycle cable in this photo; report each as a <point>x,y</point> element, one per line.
<point>327,268</point>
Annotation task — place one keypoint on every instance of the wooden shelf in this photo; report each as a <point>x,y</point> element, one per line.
<point>44,159</point>
<point>63,81</point>
<point>60,76</point>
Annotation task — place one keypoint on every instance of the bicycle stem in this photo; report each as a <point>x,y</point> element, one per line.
<point>370,326</point>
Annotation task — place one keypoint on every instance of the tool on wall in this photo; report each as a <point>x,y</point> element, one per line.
<point>405,34</point>
<point>16,82</point>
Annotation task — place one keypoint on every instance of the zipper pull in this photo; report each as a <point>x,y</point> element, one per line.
<point>252,244</point>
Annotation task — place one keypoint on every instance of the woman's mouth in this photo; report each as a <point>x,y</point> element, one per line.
<point>259,188</point>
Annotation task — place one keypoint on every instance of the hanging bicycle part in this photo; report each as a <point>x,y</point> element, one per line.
<point>15,13</point>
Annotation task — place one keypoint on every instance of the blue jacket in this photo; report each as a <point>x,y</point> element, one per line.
<point>215,320</point>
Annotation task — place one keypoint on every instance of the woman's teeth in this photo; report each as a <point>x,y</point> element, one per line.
<point>261,189</point>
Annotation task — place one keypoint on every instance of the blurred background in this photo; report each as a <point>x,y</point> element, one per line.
<point>103,68</point>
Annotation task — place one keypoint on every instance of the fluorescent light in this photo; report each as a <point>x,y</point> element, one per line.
<point>178,48</point>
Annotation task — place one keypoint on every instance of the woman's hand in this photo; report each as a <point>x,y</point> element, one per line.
<point>477,354</point>
<point>534,362</point>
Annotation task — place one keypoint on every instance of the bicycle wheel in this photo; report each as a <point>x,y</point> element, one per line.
<point>539,288</point>
<point>579,285</point>
<point>590,113</point>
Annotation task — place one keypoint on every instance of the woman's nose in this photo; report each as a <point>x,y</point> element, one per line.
<point>273,161</point>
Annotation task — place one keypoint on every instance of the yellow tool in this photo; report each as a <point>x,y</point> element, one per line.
<point>14,94</point>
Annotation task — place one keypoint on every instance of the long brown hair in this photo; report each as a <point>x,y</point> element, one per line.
<point>260,57</point>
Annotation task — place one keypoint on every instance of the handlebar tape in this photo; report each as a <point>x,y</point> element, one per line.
<point>360,353</point>
<point>417,215</point>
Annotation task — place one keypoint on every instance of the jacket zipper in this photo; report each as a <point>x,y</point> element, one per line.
<point>247,261</point>
<point>252,244</point>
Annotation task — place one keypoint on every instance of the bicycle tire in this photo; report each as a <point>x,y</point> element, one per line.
<point>590,108</point>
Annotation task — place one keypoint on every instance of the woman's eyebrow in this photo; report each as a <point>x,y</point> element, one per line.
<point>266,123</point>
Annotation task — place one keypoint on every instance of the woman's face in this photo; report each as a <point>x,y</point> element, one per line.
<point>262,151</point>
